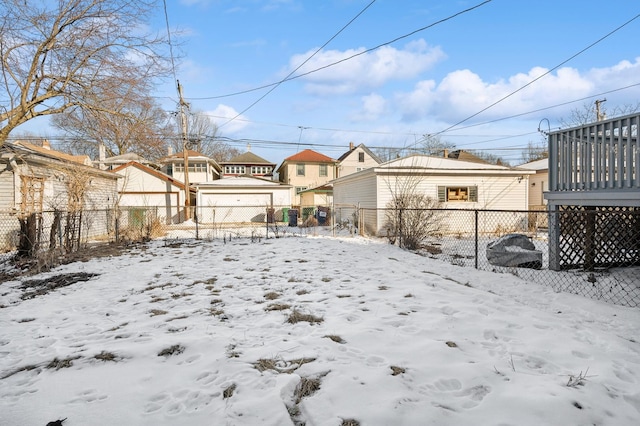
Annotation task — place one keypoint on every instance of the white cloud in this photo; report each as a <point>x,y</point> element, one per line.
<point>368,70</point>
<point>221,116</point>
<point>373,107</point>
<point>463,93</point>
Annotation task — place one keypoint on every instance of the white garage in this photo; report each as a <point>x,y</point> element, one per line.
<point>241,199</point>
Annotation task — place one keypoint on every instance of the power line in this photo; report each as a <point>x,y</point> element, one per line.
<point>173,64</point>
<point>539,77</point>
<point>300,66</point>
<point>546,108</point>
<point>290,77</point>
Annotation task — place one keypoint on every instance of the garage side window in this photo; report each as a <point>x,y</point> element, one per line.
<point>450,194</point>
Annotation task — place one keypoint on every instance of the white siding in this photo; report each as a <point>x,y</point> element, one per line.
<point>7,189</point>
<point>497,190</point>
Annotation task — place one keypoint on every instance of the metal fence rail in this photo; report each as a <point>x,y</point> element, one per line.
<point>601,248</point>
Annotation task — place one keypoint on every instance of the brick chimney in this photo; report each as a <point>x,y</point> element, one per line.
<point>46,144</point>
<point>169,151</point>
<point>351,146</point>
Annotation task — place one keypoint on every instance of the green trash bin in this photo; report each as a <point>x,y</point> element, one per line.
<point>285,214</point>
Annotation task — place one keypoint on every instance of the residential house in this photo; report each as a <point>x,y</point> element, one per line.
<point>37,179</point>
<point>143,190</point>
<point>356,159</point>
<point>456,184</point>
<point>538,183</point>
<point>114,162</point>
<point>247,163</point>
<point>304,170</point>
<point>201,168</point>
<point>594,194</point>
<point>241,199</point>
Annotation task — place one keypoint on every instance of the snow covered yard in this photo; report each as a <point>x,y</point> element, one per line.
<point>315,330</point>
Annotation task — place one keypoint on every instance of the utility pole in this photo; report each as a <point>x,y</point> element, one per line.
<point>185,153</point>
<point>599,117</point>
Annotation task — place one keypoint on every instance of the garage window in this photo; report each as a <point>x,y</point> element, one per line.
<point>452,194</point>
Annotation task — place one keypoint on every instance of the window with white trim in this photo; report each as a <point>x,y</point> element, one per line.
<point>323,170</point>
<point>299,169</point>
<point>299,189</point>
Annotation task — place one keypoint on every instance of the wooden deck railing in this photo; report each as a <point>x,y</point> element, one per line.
<point>601,156</point>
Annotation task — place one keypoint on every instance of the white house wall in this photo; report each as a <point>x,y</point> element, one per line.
<point>351,164</point>
<point>538,184</point>
<point>496,192</point>
<point>141,189</point>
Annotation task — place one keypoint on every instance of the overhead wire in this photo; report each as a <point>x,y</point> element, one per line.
<point>539,77</point>
<point>290,77</point>
<point>299,66</point>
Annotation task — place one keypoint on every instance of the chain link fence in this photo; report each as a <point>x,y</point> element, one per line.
<point>593,253</point>
<point>596,253</point>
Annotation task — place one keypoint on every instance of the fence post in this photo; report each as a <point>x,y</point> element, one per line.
<point>476,232</point>
<point>195,218</point>
<point>400,228</point>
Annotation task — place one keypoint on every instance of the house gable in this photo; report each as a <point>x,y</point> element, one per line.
<point>355,160</point>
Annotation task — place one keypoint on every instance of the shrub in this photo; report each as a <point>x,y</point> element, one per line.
<point>411,218</point>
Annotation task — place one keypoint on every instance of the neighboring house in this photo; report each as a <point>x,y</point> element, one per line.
<point>538,183</point>
<point>358,158</point>
<point>111,163</point>
<point>304,170</point>
<point>594,194</point>
<point>143,188</point>
<point>201,167</point>
<point>456,184</point>
<point>241,199</point>
<point>248,164</point>
<point>37,179</point>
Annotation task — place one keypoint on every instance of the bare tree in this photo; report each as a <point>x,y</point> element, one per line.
<point>132,121</point>
<point>203,137</point>
<point>535,152</point>
<point>434,146</point>
<point>427,145</point>
<point>588,113</point>
<point>55,55</point>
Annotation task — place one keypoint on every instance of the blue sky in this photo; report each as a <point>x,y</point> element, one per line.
<point>421,84</point>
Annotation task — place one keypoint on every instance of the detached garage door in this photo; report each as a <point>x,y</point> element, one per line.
<point>233,208</point>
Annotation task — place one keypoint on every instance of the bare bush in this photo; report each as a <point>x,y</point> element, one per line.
<point>410,218</point>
